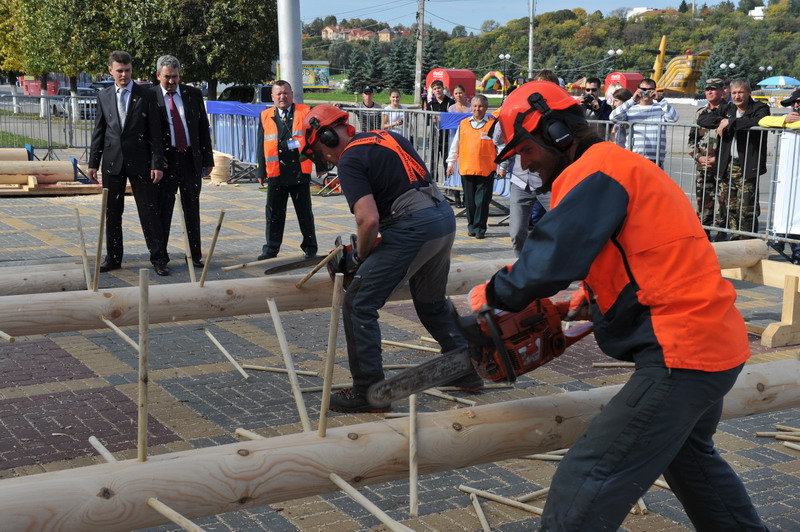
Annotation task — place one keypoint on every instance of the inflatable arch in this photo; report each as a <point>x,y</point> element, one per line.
<point>494,75</point>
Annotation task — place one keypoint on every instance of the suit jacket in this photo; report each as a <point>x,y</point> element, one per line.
<point>751,146</point>
<point>197,128</point>
<point>134,149</point>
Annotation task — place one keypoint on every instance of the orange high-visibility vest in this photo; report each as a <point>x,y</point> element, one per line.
<point>273,165</point>
<point>476,151</point>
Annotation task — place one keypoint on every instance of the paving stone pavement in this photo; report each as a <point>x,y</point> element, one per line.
<point>56,390</point>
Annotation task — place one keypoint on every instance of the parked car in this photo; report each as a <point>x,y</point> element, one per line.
<point>87,102</point>
<point>247,94</point>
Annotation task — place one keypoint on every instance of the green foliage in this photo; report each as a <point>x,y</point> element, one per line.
<point>684,7</point>
<point>356,71</point>
<point>373,65</point>
<point>400,65</point>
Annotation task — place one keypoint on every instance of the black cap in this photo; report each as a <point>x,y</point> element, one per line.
<point>791,99</point>
<point>367,90</point>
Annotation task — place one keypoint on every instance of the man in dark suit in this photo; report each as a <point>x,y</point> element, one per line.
<point>187,146</point>
<point>126,137</point>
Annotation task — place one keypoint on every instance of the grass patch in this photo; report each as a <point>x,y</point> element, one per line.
<point>12,140</point>
<point>348,97</point>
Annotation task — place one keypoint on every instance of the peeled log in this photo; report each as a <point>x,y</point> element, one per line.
<point>37,282</point>
<point>740,253</point>
<point>46,172</point>
<point>77,311</point>
<point>14,154</point>
<point>214,480</point>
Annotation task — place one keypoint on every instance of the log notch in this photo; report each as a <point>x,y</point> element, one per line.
<point>49,313</point>
<point>230,477</point>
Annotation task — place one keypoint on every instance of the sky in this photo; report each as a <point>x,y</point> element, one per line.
<point>444,14</point>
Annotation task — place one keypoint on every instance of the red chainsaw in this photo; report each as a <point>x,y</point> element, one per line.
<point>502,346</point>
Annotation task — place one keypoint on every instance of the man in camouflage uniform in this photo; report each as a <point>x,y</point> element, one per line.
<point>703,143</point>
<point>745,151</point>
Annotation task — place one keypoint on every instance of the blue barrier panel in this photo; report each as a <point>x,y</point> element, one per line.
<point>235,128</point>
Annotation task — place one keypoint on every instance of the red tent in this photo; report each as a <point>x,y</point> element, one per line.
<point>626,80</point>
<point>452,77</point>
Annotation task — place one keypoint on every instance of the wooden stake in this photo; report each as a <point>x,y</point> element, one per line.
<point>211,249</point>
<point>479,511</point>
<point>227,355</point>
<point>533,495</point>
<point>413,466</point>
<point>330,354</point>
<point>794,446</point>
<point>100,233</point>
<point>368,505</point>
<point>173,516</point>
<point>144,328</point>
<point>265,262</point>
<point>249,434</point>
<point>545,457</point>
<point>662,484</point>
<point>289,363</point>
<point>769,434</point>
<point>428,339</point>
<point>613,364</point>
<point>502,500</point>
<point>411,346</point>
<point>398,366</point>
<point>436,393</point>
<point>119,332</point>
<point>486,386</point>
<point>314,389</point>
<point>639,507</point>
<point>101,449</point>
<point>84,257</point>
<point>788,437</point>
<point>7,337</point>
<point>280,370</point>
<point>559,451</point>
<point>786,429</point>
<point>186,249</point>
<point>319,266</point>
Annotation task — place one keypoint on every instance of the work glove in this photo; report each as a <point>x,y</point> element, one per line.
<point>351,262</point>
<point>477,297</point>
<point>579,306</point>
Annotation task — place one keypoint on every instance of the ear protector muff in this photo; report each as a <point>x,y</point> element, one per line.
<point>554,130</point>
<point>326,134</point>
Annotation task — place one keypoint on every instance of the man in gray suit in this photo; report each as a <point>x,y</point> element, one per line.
<point>186,141</point>
<point>127,137</point>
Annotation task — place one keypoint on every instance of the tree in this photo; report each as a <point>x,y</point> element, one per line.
<point>489,26</point>
<point>745,6</point>
<point>373,67</point>
<point>458,31</point>
<point>314,28</point>
<point>683,8</point>
<point>400,64</point>
<point>356,71</point>
<point>330,20</point>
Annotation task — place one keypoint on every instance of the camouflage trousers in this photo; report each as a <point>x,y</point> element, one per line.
<point>738,201</point>
<point>706,193</point>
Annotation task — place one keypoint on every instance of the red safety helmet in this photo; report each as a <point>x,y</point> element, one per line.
<point>318,123</point>
<point>522,113</point>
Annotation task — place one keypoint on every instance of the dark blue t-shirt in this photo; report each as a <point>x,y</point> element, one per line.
<point>371,169</point>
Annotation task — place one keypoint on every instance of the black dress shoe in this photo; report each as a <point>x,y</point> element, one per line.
<point>265,256</point>
<point>309,255</point>
<point>161,269</point>
<point>198,263</point>
<point>108,265</point>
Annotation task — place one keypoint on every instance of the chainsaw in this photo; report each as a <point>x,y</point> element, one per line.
<point>502,346</point>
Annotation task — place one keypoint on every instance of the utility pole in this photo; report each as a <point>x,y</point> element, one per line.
<point>418,69</point>
<point>290,48</point>
<point>530,40</point>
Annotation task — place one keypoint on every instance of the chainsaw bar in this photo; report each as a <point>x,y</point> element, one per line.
<point>435,372</point>
<point>293,264</point>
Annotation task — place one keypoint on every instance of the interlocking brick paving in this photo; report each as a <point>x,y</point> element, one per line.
<point>36,362</point>
<point>53,427</point>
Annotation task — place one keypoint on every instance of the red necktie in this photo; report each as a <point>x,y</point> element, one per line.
<point>177,124</point>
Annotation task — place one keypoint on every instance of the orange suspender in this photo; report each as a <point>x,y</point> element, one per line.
<point>414,170</point>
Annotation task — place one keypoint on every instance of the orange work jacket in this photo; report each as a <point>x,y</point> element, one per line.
<point>476,151</point>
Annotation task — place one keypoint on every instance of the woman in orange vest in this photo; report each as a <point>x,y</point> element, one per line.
<point>474,150</point>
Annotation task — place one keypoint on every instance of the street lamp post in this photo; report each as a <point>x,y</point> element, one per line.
<point>768,69</point>
<point>505,58</point>
<point>613,54</point>
<point>727,67</point>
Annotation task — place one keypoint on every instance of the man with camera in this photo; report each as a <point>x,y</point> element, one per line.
<point>594,108</point>
<point>648,106</point>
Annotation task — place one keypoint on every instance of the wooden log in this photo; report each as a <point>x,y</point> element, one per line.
<point>84,257</point>
<point>13,154</point>
<point>229,477</point>
<point>279,370</point>
<point>185,235</point>
<point>741,253</point>
<point>319,266</point>
<point>45,267</point>
<point>38,282</point>
<point>46,172</point>
<point>49,313</point>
